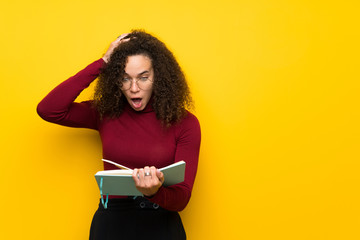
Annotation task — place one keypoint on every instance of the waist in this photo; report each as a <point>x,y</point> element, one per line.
<point>118,197</point>
<point>129,203</point>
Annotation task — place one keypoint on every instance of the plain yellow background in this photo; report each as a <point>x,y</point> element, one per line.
<point>276,88</point>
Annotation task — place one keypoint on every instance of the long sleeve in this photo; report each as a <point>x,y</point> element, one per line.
<point>59,106</point>
<point>176,197</point>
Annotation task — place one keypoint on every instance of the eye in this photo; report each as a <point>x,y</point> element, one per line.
<point>126,79</point>
<point>143,78</point>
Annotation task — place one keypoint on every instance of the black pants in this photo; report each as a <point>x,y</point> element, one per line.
<point>135,219</point>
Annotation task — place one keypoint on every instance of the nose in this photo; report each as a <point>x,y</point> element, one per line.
<point>134,87</point>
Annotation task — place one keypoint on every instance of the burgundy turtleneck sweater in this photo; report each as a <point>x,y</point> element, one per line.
<point>135,139</point>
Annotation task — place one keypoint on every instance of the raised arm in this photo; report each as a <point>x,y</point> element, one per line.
<point>59,106</point>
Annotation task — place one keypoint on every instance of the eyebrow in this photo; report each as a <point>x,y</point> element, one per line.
<point>146,71</point>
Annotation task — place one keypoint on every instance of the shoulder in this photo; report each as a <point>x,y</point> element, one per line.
<point>189,126</point>
<point>189,120</point>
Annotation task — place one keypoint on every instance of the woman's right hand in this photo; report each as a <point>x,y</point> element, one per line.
<point>122,38</point>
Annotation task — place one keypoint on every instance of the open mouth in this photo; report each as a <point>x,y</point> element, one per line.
<point>136,102</point>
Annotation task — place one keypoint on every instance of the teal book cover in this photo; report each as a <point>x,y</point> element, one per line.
<point>120,182</point>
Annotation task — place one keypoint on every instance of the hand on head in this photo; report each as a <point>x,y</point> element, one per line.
<point>122,38</point>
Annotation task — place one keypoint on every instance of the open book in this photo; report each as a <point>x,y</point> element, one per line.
<point>120,181</point>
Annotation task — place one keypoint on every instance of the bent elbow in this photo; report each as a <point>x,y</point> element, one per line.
<point>41,111</point>
<point>45,112</point>
<point>182,204</point>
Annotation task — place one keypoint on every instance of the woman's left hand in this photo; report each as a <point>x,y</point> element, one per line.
<point>148,180</point>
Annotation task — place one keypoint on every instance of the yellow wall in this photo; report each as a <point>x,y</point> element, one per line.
<point>276,86</point>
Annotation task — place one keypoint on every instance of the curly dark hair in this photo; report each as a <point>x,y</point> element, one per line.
<point>170,96</point>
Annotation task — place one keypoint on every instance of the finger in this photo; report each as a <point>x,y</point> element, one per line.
<point>153,172</point>
<point>125,40</point>
<point>135,175</point>
<point>147,173</point>
<point>160,176</point>
<point>122,36</point>
<point>141,176</point>
<point>119,41</point>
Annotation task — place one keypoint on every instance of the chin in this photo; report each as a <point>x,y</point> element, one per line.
<point>138,109</point>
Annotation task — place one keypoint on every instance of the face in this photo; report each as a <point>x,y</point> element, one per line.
<point>139,75</point>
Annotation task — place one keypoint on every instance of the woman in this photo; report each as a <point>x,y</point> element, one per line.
<point>139,109</point>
